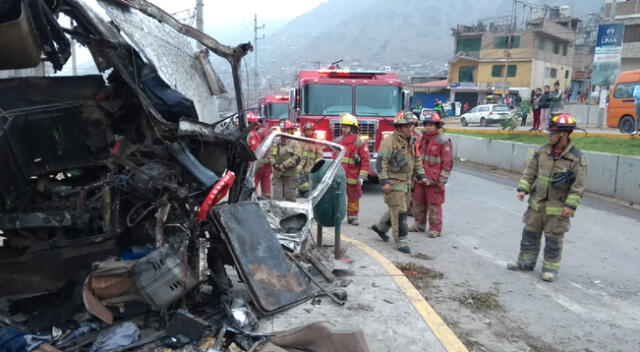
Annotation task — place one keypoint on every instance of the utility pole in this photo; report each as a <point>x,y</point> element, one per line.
<point>256,80</point>
<point>507,52</point>
<point>199,16</point>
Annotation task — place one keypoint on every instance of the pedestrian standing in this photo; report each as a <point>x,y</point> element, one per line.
<point>263,172</point>
<point>466,107</point>
<point>545,107</point>
<point>417,109</point>
<point>524,113</point>
<point>636,97</point>
<point>311,154</point>
<point>355,163</point>
<point>535,106</point>
<point>554,179</point>
<point>437,160</point>
<point>556,103</point>
<point>397,167</point>
<point>439,108</point>
<point>285,157</point>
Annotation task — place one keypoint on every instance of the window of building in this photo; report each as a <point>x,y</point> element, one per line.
<point>565,49</point>
<point>553,72</point>
<point>498,71</point>
<point>466,73</point>
<point>541,43</point>
<point>501,42</point>
<point>556,47</point>
<point>468,44</point>
<point>566,74</point>
<point>631,33</point>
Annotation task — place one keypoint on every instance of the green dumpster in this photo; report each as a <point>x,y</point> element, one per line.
<point>332,207</point>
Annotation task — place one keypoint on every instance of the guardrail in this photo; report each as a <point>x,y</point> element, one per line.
<point>611,175</point>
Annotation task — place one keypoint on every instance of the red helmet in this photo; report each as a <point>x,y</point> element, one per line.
<point>562,122</point>
<point>252,117</point>
<point>288,125</point>
<point>432,117</point>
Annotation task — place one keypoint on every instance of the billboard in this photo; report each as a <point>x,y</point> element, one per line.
<point>606,61</point>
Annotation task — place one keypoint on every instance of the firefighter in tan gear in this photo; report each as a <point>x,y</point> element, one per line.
<point>397,165</point>
<point>285,157</point>
<point>554,179</point>
<point>355,163</point>
<point>311,154</point>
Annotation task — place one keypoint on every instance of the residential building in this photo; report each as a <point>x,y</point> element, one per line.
<point>540,53</point>
<point>628,13</point>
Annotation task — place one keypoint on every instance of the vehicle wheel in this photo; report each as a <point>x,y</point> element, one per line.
<point>626,124</point>
<point>464,122</point>
<point>483,122</point>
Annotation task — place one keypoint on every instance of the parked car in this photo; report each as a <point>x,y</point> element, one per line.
<point>620,110</point>
<point>486,114</point>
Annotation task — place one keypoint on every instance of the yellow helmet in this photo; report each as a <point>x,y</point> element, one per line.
<point>349,120</point>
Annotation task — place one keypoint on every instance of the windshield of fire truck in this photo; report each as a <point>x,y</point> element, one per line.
<point>326,99</point>
<point>278,111</point>
<point>378,100</point>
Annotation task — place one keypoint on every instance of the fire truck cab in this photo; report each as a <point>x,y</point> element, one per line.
<point>373,97</point>
<point>274,108</point>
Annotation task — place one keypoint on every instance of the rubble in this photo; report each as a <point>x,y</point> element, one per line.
<point>125,194</point>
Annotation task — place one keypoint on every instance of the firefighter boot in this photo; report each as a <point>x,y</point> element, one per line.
<point>405,249</point>
<point>352,220</point>
<point>548,276</point>
<point>513,266</point>
<point>383,236</point>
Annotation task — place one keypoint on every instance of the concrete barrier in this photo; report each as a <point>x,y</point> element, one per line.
<point>608,174</point>
<point>587,115</point>
<point>628,179</point>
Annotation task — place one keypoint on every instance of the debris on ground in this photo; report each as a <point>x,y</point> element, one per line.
<point>422,256</point>
<point>479,301</point>
<point>420,276</point>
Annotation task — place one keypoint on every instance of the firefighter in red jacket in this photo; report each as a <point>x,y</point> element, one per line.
<point>355,163</point>
<point>254,139</point>
<point>436,157</point>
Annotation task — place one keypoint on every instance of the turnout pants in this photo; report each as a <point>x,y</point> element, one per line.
<point>427,204</point>
<point>396,217</point>
<point>354,193</point>
<point>263,179</point>
<point>284,188</point>
<point>535,224</point>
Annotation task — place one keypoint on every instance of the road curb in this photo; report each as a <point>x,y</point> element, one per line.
<point>440,329</point>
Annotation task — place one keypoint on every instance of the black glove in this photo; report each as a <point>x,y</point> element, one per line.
<point>357,160</point>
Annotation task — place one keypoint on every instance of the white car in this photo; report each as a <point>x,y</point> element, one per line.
<point>485,114</point>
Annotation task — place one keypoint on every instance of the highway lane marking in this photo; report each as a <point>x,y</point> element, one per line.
<point>443,333</point>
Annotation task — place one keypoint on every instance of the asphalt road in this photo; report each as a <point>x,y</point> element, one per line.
<point>594,305</point>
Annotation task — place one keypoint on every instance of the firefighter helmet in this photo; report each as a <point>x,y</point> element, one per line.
<point>404,118</point>
<point>288,125</point>
<point>562,122</point>
<point>308,126</point>
<point>349,120</point>
<point>252,117</point>
<point>432,117</point>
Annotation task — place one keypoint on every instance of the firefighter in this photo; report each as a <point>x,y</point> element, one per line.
<point>355,163</point>
<point>285,157</point>
<point>397,166</point>
<point>263,173</point>
<point>554,179</point>
<point>436,157</point>
<point>311,154</point>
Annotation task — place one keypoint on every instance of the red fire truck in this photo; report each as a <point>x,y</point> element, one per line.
<point>274,108</point>
<point>372,97</point>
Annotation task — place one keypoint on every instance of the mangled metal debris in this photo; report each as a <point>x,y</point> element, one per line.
<point>107,179</point>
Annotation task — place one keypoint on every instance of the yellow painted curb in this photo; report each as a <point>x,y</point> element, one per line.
<point>447,338</point>
<point>575,134</point>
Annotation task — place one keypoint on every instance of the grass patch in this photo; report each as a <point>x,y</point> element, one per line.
<point>479,301</point>
<point>595,144</point>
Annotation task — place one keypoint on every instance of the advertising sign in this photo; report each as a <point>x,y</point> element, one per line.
<point>606,61</point>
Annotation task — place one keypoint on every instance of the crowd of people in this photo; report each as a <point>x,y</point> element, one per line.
<point>413,170</point>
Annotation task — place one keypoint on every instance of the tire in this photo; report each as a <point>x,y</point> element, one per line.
<point>464,122</point>
<point>626,124</point>
<point>483,122</point>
